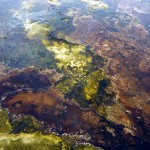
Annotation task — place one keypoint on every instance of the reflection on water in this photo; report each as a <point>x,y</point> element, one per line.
<point>91,59</point>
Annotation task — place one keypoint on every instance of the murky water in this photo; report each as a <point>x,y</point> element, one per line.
<point>82,65</point>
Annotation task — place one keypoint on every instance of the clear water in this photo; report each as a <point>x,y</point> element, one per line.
<point>101,50</point>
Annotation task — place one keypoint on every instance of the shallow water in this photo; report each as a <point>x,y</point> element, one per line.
<point>20,18</point>
<point>87,58</point>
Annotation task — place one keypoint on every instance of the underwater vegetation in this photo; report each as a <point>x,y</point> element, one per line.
<point>74,75</point>
<point>26,124</point>
<point>5,126</point>
<point>39,142</point>
<point>82,69</point>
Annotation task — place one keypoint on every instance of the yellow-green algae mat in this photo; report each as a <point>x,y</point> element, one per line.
<point>79,66</point>
<point>37,141</point>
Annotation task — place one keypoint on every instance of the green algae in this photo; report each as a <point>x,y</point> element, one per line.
<point>101,110</point>
<point>35,30</point>
<point>92,84</point>
<point>25,124</point>
<point>5,126</point>
<point>35,141</point>
<point>84,76</point>
<point>38,141</point>
<point>104,93</point>
<point>70,59</point>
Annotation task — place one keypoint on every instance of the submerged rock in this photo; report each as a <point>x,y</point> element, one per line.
<point>30,78</point>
